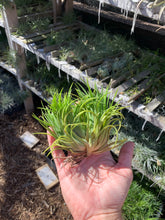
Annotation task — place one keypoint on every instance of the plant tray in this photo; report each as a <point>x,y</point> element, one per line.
<point>46,176</point>
<point>120,84</point>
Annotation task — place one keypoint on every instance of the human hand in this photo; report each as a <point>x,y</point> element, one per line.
<point>97,187</point>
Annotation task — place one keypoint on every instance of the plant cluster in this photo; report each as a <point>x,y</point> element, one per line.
<point>148,153</point>
<point>60,37</point>
<point>31,26</point>
<point>82,124</point>
<point>87,46</point>
<point>82,47</point>
<point>141,203</point>
<point>9,57</point>
<point>155,65</point>
<point>45,80</point>
<point>149,160</point>
<point>10,94</point>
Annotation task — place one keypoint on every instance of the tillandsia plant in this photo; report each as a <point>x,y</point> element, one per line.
<point>82,124</point>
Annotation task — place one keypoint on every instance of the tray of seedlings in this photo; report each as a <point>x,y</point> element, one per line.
<point>43,81</point>
<point>149,150</point>
<point>107,60</point>
<point>88,54</point>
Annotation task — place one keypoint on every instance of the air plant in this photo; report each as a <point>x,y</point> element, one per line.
<point>82,124</point>
<point>149,160</point>
<point>102,72</point>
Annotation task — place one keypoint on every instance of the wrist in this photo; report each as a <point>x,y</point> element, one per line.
<point>108,216</point>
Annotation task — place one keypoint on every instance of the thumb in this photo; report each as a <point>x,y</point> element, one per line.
<point>126,155</point>
<point>58,155</point>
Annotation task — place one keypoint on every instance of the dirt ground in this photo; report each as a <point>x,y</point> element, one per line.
<point>22,195</point>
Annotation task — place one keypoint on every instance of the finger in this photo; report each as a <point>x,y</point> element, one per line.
<point>58,155</point>
<point>125,155</point>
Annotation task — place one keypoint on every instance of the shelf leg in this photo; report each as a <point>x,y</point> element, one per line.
<point>21,69</point>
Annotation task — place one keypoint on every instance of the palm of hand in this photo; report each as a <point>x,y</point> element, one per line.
<point>98,185</point>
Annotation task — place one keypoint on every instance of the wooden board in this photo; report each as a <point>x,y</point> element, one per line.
<point>29,139</point>
<point>156,102</point>
<point>71,70</point>
<point>127,84</point>
<point>144,10</point>
<point>46,176</point>
<point>8,68</point>
<point>109,15</point>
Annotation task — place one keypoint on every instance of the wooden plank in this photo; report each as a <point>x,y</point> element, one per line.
<point>58,28</point>
<point>156,102</point>
<point>117,81</point>
<point>91,64</point>
<point>7,28</point>
<point>8,68</point>
<point>38,15</point>
<point>10,12</point>
<point>55,53</point>
<point>21,69</point>
<point>46,176</point>
<point>120,18</point>
<point>71,70</point>
<point>34,39</point>
<point>20,61</point>
<point>51,48</point>
<point>57,9</point>
<point>68,6</point>
<point>34,90</point>
<point>28,102</point>
<point>29,139</point>
<point>144,10</point>
<point>146,84</point>
<point>126,85</point>
<point>141,88</point>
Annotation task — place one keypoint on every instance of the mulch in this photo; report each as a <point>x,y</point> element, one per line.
<point>22,195</point>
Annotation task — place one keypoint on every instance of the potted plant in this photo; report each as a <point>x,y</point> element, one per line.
<point>83,123</point>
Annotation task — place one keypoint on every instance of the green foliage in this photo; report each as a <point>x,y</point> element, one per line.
<point>69,18</point>
<point>3,46</point>
<point>87,46</point>
<point>45,80</point>
<point>149,160</point>
<point>60,37</point>
<point>141,204</point>
<point>102,72</point>
<point>82,124</point>
<point>10,95</point>
<point>31,26</point>
<point>9,56</point>
<point>149,154</point>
